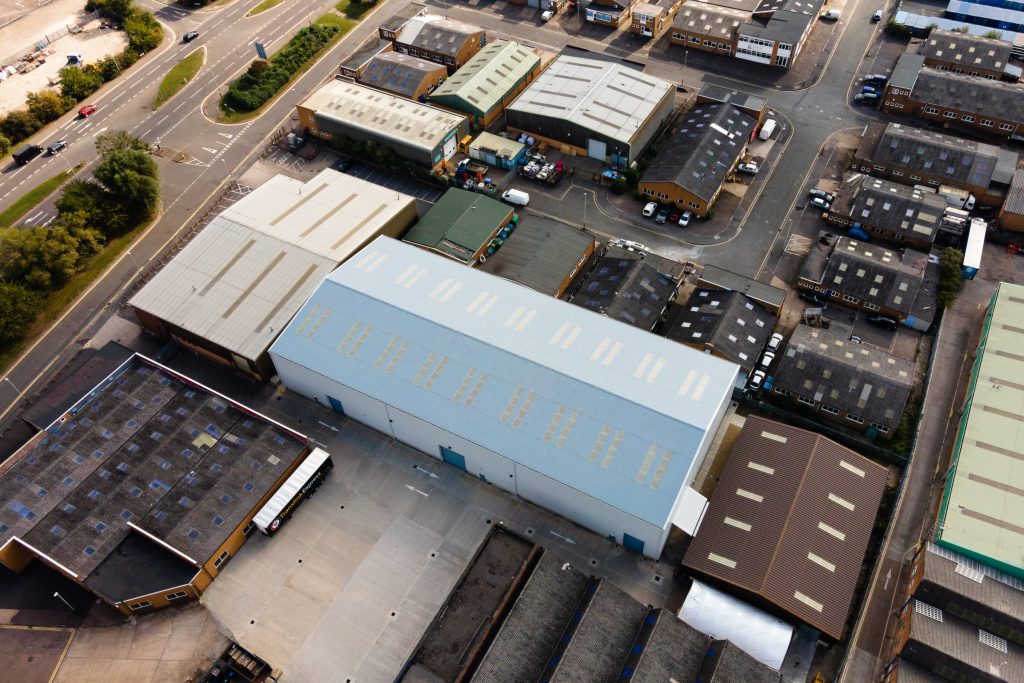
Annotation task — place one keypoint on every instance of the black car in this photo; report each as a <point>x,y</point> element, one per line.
<point>883,322</point>
<point>190,36</point>
<point>812,298</point>
<point>343,164</point>
<point>55,147</point>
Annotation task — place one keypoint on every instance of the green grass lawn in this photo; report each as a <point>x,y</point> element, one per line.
<point>354,10</point>
<point>178,77</point>
<point>263,7</point>
<point>28,201</point>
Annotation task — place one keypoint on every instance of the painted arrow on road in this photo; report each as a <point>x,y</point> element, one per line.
<point>426,472</point>
<point>564,538</point>
<point>416,490</point>
<point>331,427</point>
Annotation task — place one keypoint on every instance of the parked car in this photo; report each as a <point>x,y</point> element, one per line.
<point>190,36</point>
<point>56,146</point>
<point>869,90</point>
<point>876,17</point>
<point>750,168</point>
<point>820,203</point>
<point>821,194</point>
<point>876,80</point>
<point>343,164</point>
<point>883,322</point>
<point>684,220</point>
<point>867,97</point>
<point>757,379</point>
<point>650,209</point>
<point>87,110</point>
<point>673,216</point>
<point>766,360</point>
<point>629,245</point>
<point>546,16</point>
<point>775,341</point>
<point>662,216</point>
<point>813,298</point>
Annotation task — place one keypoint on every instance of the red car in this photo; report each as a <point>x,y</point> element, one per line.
<point>86,110</point>
<point>673,216</point>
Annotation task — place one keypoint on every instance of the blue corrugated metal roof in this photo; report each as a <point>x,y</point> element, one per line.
<point>612,411</point>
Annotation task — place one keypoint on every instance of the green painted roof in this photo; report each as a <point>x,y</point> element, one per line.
<point>485,79</point>
<point>982,512</point>
<point>459,224</point>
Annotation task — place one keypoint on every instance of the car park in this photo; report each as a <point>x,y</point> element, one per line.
<point>190,36</point>
<point>867,97</point>
<point>775,341</point>
<point>821,194</point>
<point>883,321</point>
<point>757,379</point>
<point>56,146</point>
<point>650,209</point>
<point>87,110</point>
<point>750,168</point>
<point>684,220</point>
<point>662,216</point>
<point>820,203</point>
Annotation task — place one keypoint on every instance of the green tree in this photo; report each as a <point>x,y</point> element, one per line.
<point>40,258</point>
<point>46,105</point>
<point>18,125</point>
<point>77,84</point>
<point>117,140</point>
<point>79,225</point>
<point>18,308</point>
<point>144,33</point>
<point>5,146</point>
<point>86,204</point>
<point>951,275</point>
<point>131,176</point>
<point>81,195</point>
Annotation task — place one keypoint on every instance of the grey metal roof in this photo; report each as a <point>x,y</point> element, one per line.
<point>375,113</point>
<point>790,520</point>
<point>137,567</point>
<point>145,440</point>
<point>540,254</point>
<point>436,33</point>
<point>400,73</point>
<point>879,203</point>
<point>728,321</point>
<point>856,378</point>
<point>956,159</point>
<point>745,6</point>
<point>1014,203</point>
<point>608,98</point>
<point>1006,166</point>
<point>969,93</point>
<point>653,8</point>
<point>875,274</point>
<point>702,150</point>
<point>974,582</point>
<point>908,672</point>
<point>486,79</point>
<point>784,26</point>
<point>674,651</point>
<point>626,289</point>
<point>242,278</point>
<point>973,648</point>
<point>709,20</point>
<point>727,663</point>
<point>904,74</point>
<point>530,632</point>
<point>735,97</point>
<point>760,292</point>
<point>954,47</point>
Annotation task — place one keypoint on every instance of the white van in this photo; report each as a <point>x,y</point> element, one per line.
<point>517,197</point>
<point>767,129</point>
<point>831,14</point>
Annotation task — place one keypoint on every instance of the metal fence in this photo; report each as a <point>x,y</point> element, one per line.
<point>48,39</point>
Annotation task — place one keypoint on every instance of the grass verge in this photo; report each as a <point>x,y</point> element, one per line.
<point>263,7</point>
<point>28,201</point>
<point>354,10</point>
<point>58,300</point>
<point>179,76</point>
<point>326,20</point>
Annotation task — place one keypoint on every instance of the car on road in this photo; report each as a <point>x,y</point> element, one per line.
<point>766,360</point>
<point>87,110</point>
<point>756,380</point>
<point>190,36</point>
<point>819,203</point>
<point>876,17</point>
<point>821,194</point>
<point>750,168</point>
<point>883,321</point>
<point>812,298</point>
<point>650,209</point>
<point>867,97</point>
<point>684,220</point>
<point>775,341</point>
<point>56,146</point>
<point>662,216</point>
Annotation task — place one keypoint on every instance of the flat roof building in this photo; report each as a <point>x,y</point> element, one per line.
<point>232,289</point>
<point>461,225</point>
<point>789,522</point>
<point>144,488</point>
<point>594,107</point>
<point>416,132</point>
<point>489,82</point>
<point>590,418</point>
<point>981,508</point>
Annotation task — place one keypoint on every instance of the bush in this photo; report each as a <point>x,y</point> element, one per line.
<point>40,258</point>
<point>18,125</point>
<point>5,146</point>
<point>77,84</point>
<point>250,92</point>
<point>18,307</point>
<point>951,275</point>
<point>619,186</point>
<point>47,105</point>
<point>144,32</point>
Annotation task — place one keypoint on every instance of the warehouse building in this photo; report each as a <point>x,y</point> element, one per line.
<point>789,523</point>
<point>724,323</point>
<point>417,132</point>
<point>145,488</point>
<point>235,285</point>
<point>981,506</point>
<point>889,211</point>
<point>435,38</point>
<point>627,289</point>
<point>461,225</point>
<point>593,107</point>
<point>772,298</point>
<point>489,82</point>
<point>972,55</point>
<point>594,420</point>
<point>497,151</point>
<point>694,162</point>
<point>542,254</point>
<point>707,27</point>
<point>1011,214</point>
<point>402,75</point>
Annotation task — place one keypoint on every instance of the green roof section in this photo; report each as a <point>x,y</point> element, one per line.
<point>460,224</point>
<point>982,513</point>
<point>483,81</point>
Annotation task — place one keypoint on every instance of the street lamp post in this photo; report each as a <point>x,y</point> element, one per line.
<point>61,598</point>
<point>132,257</point>
<point>584,209</point>
<point>8,380</point>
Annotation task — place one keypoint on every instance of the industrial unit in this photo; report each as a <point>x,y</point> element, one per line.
<point>599,422</point>
<point>235,285</point>
<point>593,107</point>
<point>488,82</point>
<point>417,132</point>
<point>144,488</point>
<point>461,225</point>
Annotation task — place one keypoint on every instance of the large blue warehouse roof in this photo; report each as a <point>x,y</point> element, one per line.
<point>615,412</point>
